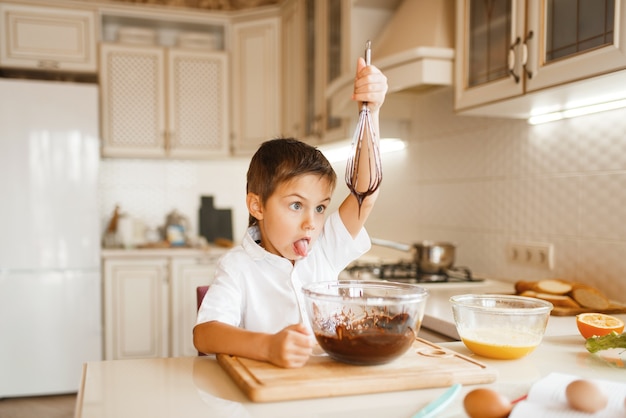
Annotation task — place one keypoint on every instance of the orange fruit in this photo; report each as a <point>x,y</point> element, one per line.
<point>590,324</point>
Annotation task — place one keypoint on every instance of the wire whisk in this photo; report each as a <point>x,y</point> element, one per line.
<point>364,168</point>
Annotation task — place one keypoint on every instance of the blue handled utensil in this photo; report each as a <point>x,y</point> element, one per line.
<point>440,403</point>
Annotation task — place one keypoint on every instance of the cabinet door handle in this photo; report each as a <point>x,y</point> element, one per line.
<point>48,64</point>
<point>511,59</point>
<point>165,140</point>
<point>206,260</point>
<point>529,73</point>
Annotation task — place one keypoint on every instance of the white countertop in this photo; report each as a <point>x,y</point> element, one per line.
<point>211,251</point>
<point>197,386</point>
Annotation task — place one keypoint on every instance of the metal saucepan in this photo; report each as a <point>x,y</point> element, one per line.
<point>431,256</point>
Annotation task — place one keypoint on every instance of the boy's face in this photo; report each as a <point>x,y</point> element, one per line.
<point>293,216</point>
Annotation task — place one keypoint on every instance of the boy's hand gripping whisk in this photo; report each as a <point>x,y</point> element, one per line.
<point>364,169</point>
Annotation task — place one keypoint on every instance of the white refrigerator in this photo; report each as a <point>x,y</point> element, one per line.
<point>50,286</point>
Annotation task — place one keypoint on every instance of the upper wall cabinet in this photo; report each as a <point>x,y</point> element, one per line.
<point>517,58</point>
<point>294,87</point>
<point>163,102</point>
<point>321,43</point>
<point>164,83</point>
<point>48,38</point>
<point>315,45</point>
<point>327,59</point>
<point>256,82</point>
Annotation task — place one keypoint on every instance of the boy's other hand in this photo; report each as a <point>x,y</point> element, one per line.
<point>291,347</point>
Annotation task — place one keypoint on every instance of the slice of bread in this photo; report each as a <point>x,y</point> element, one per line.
<point>590,297</point>
<point>561,301</point>
<point>523,286</point>
<point>553,286</point>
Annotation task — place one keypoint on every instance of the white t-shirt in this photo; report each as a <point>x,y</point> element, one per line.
<point>261,291</point>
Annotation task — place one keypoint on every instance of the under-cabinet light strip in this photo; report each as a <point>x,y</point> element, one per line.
<point>341,151</point>
<point>577,111</point>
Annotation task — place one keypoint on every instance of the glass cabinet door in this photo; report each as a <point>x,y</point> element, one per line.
<point>570,40</point>
<point>311,127</point>
<point>507,49</point>
<point>577,26</point>
<point>489,51</point>
<point>489,32</point>
<point>333,54</point>
<point>325,42</point>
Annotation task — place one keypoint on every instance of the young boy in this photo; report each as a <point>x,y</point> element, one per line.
<point>255,307</point>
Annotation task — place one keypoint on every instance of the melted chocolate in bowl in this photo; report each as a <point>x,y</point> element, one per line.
<point>375,339</point>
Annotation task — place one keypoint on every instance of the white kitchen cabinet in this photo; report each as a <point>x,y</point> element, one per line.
<point>197,103</point>
<point>186,275</point>
<point>163,102</point>
<point>482,64</point>
<point>48,38</point>
<point>328,59</point>
<point>515,58</point>
<point>136,308</point>
<point>293,83</point>
<point>132,84</point>
<point>256,83</point>
<point>319,39</point>
<point>150,301</point>
<point>316,39</point>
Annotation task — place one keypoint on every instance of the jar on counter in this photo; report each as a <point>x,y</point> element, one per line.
<point>125,231</point>
<point>176,228</point>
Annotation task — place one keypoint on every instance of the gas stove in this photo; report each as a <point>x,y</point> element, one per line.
<point>408,272</point>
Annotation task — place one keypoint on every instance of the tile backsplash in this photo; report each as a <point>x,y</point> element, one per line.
<point>483,183</point>
<point>480,183</point>
<point>149,189</point>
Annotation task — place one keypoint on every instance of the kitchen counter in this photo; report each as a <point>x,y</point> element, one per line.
<point>198,387</point>
<point>162,252</point>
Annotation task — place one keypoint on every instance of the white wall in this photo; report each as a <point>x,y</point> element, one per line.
<point>478,182</point>
<point>484,182</point>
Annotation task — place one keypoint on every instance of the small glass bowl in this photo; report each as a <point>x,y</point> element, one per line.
<point>500,326</point>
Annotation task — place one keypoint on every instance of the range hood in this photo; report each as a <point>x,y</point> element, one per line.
<point>415,50</point>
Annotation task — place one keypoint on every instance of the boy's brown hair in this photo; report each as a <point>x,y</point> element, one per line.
<point>282,159</point>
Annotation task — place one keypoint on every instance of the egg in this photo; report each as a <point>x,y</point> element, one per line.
<point>486,403</point>
<point>585,396</point>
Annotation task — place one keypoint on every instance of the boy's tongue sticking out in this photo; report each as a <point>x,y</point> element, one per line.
<point>301,247</point>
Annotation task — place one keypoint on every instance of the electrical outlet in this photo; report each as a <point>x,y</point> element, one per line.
<point>533,254</point>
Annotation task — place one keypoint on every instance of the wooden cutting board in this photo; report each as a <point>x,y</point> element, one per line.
<point>425,365</point>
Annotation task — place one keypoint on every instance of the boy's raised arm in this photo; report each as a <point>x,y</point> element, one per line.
<point>370,85</point>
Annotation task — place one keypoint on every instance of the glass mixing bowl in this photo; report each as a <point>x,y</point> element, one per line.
<point>500,326</point>
<point>365,322</point>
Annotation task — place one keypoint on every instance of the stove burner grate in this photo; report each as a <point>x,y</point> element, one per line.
<point>409,272</point>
